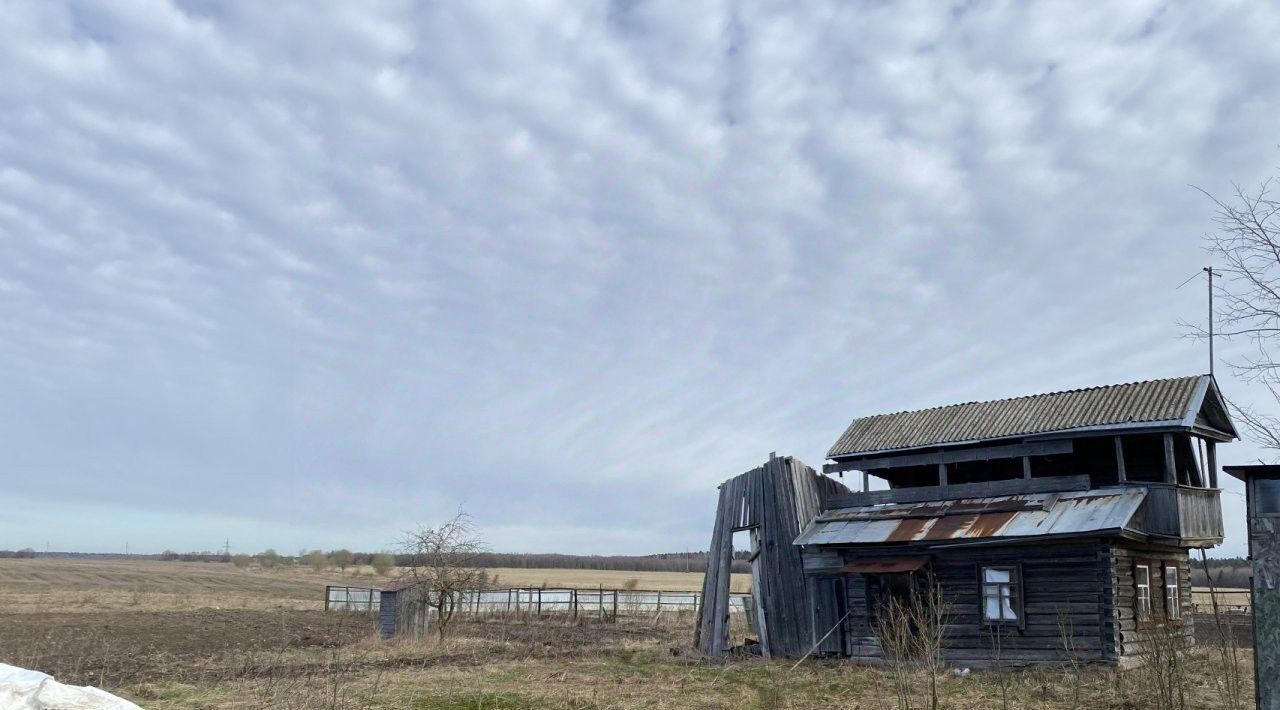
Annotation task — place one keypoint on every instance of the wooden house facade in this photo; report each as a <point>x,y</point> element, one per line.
<point>1054,527</point>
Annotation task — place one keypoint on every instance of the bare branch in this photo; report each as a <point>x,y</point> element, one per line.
<point>444,564</point>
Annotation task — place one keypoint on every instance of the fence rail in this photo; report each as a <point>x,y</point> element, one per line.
<point>597,603</point>
<point>1229,601</point>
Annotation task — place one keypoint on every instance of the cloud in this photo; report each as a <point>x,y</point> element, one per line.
<point>317,273</point>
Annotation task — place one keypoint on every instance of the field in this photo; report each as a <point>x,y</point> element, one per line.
<point>76,585</point>
<point>197,635</point>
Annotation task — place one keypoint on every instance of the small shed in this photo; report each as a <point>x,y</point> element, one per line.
<point>391,599</point>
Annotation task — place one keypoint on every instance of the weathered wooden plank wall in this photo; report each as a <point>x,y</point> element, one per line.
<point>1064,587</point>
<point>1127,635</point>
<point>774,501</point>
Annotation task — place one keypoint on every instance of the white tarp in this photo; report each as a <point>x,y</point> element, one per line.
<point>21,689</point>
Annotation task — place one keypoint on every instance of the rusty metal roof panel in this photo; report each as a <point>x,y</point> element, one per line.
<point>1098,510</point>
<point>1153,401</point>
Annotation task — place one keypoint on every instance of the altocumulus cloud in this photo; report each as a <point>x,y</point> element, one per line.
<point>303,274</point>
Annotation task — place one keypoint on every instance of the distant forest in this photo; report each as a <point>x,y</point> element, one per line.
<point>1226,572</point>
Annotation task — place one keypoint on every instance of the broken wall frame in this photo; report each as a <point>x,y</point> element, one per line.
<point>772,502</point>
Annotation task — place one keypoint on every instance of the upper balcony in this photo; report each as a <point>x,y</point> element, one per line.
<point>1191,516</point>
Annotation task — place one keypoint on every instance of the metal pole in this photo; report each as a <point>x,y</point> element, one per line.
<point>1209,269</point>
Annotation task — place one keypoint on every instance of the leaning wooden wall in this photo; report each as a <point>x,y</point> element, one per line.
<point>774,501</point>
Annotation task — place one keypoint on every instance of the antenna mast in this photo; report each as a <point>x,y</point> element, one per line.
<point>1209,270</point>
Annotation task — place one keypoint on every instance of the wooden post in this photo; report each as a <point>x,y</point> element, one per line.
<point>1026,467</point>
<point>539,602</point>
<point>942,474</point>
<point>866,481</point>
<point>600,596</point>
<point>1211,454</point>
<point>1170,475</point>
<point>1120,474</point>
<point>615,605</point>
<point>573,599</point>
<point>326,597</point>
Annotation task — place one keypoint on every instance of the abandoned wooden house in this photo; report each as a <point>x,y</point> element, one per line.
<point>1053,527</point>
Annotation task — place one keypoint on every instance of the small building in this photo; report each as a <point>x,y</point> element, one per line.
<point>392,600</point>
<point>1063,513</point>
<point>1054,527</point>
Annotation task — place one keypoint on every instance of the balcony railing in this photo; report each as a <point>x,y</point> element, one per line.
<point>1190,514</point>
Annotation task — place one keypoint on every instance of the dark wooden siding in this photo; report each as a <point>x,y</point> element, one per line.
<point>387,608</point>
<point>1066,588</point>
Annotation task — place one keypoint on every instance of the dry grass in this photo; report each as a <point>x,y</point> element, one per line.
<point>556,665</point>
<point>70,585</point>
<point>108,624</point>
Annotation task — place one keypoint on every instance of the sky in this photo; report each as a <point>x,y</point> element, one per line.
<point>310,274</point>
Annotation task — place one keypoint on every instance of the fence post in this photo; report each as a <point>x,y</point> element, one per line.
<point>573,599</point>
<point>615,605</point>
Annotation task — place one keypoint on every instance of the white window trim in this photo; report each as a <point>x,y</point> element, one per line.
<point>1014,597</point>
<point>1172,593</point>
<point>1142,598</point>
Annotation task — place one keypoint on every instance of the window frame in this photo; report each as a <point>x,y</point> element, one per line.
<point>1015,585</point>
<point>1143,618</point>
<point>1172,613</point>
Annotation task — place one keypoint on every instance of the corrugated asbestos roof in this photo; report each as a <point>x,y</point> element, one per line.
<point>977,518</point>
<point>1151,401</point>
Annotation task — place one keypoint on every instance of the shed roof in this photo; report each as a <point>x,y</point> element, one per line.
<point>1174,402</point>
<point>1039,514</point>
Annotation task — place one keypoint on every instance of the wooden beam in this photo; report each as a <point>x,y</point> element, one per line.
<point>1170,475</point>
<point>1039,448</point>
<point>1026,467</point>
<point>1211,453</point>
<point>866,481</point>
<point>942,474</point>
<point>1120,475</point>
<point>986,489</point>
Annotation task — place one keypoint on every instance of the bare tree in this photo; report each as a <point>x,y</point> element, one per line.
<point>1247,293</point>
<point>444,564</point>
<point>342,558</point>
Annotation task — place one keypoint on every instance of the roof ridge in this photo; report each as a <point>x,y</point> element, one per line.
<point>1030,396</point>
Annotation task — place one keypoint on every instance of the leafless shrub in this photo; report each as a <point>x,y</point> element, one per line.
<point>316,560</point>
<point>383,563</point>
<point>996,636</point>
<point>911,637</point>
<point>443,566</point>
<point>1230,681</point>
<point>1066,633</point>
<point>342,559</point>
<point>1165,654</point>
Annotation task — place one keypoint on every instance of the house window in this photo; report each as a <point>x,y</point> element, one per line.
<point>1172,593</point>
<point>1001,602</point>
<point>1142,578</point>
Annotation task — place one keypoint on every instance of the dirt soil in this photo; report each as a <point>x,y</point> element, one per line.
<point>116,648</point>
<point>123,647</point>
